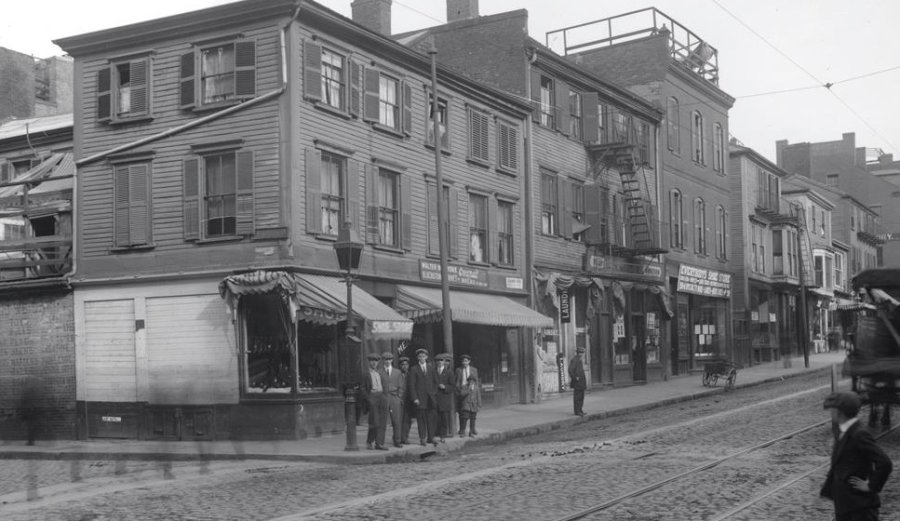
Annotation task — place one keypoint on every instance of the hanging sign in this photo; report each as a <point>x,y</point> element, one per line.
<point>565,309</point>
<point>702,281</point>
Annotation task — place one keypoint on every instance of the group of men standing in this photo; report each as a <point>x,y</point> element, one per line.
<point>426,391</point>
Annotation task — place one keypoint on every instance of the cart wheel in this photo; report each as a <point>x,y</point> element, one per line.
<point>714,379</point>
<point>706,379</point>
<point>732,376</point>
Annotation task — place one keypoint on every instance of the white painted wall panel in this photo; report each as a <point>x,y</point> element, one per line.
<point>109,351</point>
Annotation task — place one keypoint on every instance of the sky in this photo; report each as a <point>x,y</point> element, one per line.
<point>775,56</point>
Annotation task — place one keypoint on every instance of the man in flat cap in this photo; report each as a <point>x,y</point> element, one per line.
<point>577,381</point>
<point>393,382</point>
<point>374,387</point>
<point>463,372</point>
<point>859,468</point>
<point>422,388</point>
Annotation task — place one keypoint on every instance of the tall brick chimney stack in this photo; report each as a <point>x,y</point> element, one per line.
<point>373,14</point>
<point>461,10</point>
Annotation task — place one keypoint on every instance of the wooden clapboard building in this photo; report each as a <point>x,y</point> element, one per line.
<point>219,153</point>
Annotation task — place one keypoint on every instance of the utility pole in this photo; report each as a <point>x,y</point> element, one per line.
<point>804,325</point>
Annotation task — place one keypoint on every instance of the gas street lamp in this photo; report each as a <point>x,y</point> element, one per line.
<point>349,248</point>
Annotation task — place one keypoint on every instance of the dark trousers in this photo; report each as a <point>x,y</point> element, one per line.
<point>378,407</point>
<point>426,422</point>
<point>578,400</point>
<point>866,514</point>
<point>395,415</point>
<point>409,412</point>
<point>467,417</point>
<point>444,423</point>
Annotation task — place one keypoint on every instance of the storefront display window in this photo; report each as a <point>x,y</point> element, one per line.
<point>620,344</point>
<point>652,339</point>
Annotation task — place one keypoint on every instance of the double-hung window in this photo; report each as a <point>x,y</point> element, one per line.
<point>700,226</point>
<point>676,220</point>
<point>697,138</point>
<point>549,201</point>
<point>442,123</point>
<point>123,90</point>
<point>719,148</point>
<point>577,204</point>
<point>575,115</point>
<point>388,207</point>
<point>505,256</point>
<point>389,102</point>
<point>478,223</point>
<point>218,74</point>
<point>721,233</point>
<point>673,126</point>
<point>332,202</point>
<point>548,97</point>
<point>334,80</point>
<point>218,193</point>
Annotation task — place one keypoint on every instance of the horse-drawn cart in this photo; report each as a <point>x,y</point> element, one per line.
<point>713,370</point>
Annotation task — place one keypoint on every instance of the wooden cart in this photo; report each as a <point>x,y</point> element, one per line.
<point>713,370</point>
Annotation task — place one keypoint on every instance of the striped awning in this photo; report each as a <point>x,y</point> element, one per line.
<point>426,305</point>
<point>318,299</point>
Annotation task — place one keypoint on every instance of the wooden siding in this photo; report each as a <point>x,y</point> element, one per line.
<point>110,362</point>
<point>191,357</point>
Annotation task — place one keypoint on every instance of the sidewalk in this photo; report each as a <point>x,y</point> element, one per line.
<point>496,424</point>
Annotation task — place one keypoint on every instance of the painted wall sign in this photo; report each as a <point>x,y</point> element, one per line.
<point>702,281</point>
<point>515,283</point>
<point>565,309</point>
<point>457,274</point>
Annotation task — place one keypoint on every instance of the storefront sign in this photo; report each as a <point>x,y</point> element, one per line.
<point>389,327</point>
<point>515,283</point>
<point>111,419</point>
<point>701,281</point>
<point>456,274</point>
<point>565,312</point>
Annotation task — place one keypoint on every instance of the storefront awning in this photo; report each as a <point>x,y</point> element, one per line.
<point>318,299</point>
<point>425,305</point>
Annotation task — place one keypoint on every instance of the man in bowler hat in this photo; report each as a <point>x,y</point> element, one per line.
<point>577,380</point>
<point>859,468</point>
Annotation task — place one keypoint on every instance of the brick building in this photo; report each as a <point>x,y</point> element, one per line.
<point>32,87</point>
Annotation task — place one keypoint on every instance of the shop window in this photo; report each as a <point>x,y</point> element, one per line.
<point>620,342</point>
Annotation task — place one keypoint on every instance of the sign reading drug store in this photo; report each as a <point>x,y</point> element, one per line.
<point>702,281</point>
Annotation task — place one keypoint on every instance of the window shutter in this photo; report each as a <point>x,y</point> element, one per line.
<point>123,236</point>
<point>371,95</point>
<point>407,108</point>
<point>536,94</point>
<point>355,79</point>
<point>139,87</point>
<point>433,230</point>
<point>592,213</point>
<point>245,69</point>
<point>562,107</point>
<point>478,135</point>
<point>565,220</point>
<point>453,221</point>
<point>245,213</point>
<point>139,204</point>
<point>187,82</point>
<point>493,249</point>
<point>191,201</point>
<point>4,172</point>
<point>405,213</point>
<point>590,102</point>
<point>371,175</point>
<point>352,196</point>
<point>313,191</point>
<point>104,95</point>
<point>561,216</point>
<point>312,70</point>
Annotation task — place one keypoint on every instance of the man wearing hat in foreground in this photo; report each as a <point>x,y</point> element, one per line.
<point>859,468</point>
<point>393,382</point>
<point>577,380</point>
<point>422,388</point>
<point>463,373</point>
<point>445,395</point>
<point>408,412</point>
<point>374,387</point>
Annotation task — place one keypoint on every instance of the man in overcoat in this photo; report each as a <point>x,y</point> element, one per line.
<point>445,395</point>
<point>374,389</point>
<point>422,389</point>
<point>463,372</point>
<point>577,381</point>
<point>394,392</point>
<point>859,468</point>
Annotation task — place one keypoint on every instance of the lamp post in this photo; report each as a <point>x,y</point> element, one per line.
<point>348,249</point>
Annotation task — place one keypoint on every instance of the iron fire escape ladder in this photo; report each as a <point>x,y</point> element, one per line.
<point>635,204</point>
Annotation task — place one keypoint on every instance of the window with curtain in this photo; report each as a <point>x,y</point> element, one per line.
<point>442,123</point>
<point>478,228</point>
<point>217,73</point>
<point>389,102</point>
<point>333,79</point>
<point>332,177</point>
<point>220,195</point>
<point>388,208</point>
<point>505,256</point>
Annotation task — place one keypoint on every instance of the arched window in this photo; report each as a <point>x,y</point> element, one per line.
<point>676,220</point>
<point>673,125</point>
<point>721,235</point>
<point>697,138</point>
<point>718,148</point>
<point>700,226</point>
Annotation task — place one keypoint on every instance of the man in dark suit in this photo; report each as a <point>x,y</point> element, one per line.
<point>859,468</point>
<point>393,385</point>
<point>445,395</point>
<point>374,387</point>
<point>422,388</point>
<point>577,380</point>
<point>463,373</point>
<point>408,410</point>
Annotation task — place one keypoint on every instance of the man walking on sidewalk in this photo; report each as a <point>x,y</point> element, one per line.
<point>577,380</point>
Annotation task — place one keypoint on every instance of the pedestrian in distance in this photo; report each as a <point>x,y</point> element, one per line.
<point>463,372</point>
<point>374,387</point>
<point>445,395</point>
<point>422,389</point>
<point>577,381</point>
<point>394,394</point>
<point>469,404</point>
<point>408,411</point>
<point>859,468</point>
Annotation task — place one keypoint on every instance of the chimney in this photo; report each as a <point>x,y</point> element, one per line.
<point>461,10</point>
<point>373,14</point>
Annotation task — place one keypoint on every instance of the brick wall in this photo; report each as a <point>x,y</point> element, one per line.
<point>37,355</point>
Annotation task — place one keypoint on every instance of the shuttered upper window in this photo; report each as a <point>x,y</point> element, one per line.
<point>218,74</point>
<point>123,91</point>
<point>132,205</point>
<point>218,195</point>
<point>478,135</point>
<point>507,147</point>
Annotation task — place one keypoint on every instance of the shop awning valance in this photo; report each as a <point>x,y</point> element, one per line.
<point>426,305</point>
<point>317,299</point>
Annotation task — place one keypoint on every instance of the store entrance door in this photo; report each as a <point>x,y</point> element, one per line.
<point>638,348</point>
